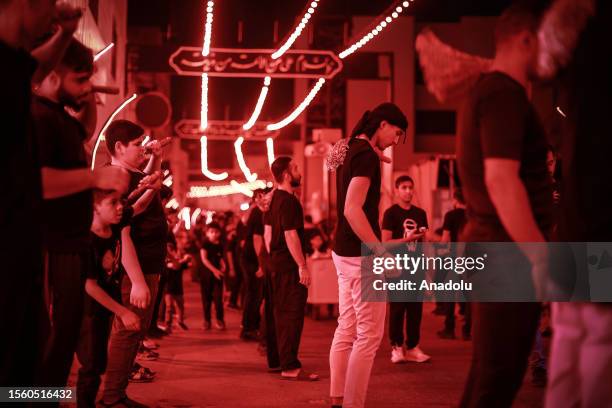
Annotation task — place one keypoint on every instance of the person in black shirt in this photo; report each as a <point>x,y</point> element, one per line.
<point>400,221</point>
<point>144,248</point>
<point>501,153</point>
<point>453,224</point>
<point>104,294</point>
<point>290,277</point>
<point>68,206</point>
<point>211,280</point>
<point>21,25</point>
<point>356,161</point>
<point>253,271</point>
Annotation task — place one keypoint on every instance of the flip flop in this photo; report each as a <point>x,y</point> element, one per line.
<point>302,376</point>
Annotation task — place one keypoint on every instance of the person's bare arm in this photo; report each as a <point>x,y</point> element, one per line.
<point>140,295</point>
<point>386,237</point>
<point>50,53</point>
<point>353,212</point>
<point>295,248</point>
<point>59,183</point>
<point>510,199</point>
<point>232,268</point>
<point>258,244</point>
<point>267,236</point>
<point>129,318</point>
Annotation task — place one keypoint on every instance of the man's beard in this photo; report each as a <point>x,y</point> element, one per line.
<point>295,182</point>
<point>69,100</point>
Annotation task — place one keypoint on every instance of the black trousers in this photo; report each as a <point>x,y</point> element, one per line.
<point>269,325</point>
<point>503,338</point>
<point>411,313</point>
<point>449,319</point>
<point>253,296</point>
<point>289,310</point>
<point>236,286</point>
<point>66,275</point>
<point>24,320</point>
<point>92,355</point>
<point>159,307</point>
<point>211,290</point>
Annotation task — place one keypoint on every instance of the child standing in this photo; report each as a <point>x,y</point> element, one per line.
<point>103,287</point>
<point>211,280</point>
<point>177,261</point>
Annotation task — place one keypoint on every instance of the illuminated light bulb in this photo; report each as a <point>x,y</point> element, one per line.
<point>103,51</point>
<point>145,140</point>
<point>314,4</point>
<point>211,3</point>
<point>241,162</point>
<point>106,125</point>
<point>379,27</point>
<point>388,19</point>
<point>270,149</point>
<point>297,111</point>
<point>194,216</point>
<point>244,206</point>
<point>267,81</point>
<point>168,181</point>
<point>204,162</point>
<point>269,184</point>
<point>398,9</point>
<point>405,4</point>
<point>204,103</point>
<point>394,15</point>
<point>370,36</point>
<point>311,10</point>
<point>383,24</point>
<point>241,189</point>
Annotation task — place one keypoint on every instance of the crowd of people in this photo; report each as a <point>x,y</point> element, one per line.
<point>96,261</point>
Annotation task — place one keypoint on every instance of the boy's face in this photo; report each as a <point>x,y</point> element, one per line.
<point>213,234</point>
<point>133,153</point>
<point>109,209</point>
<point>75,88</point>
<point>316,242</point>
<point>405,191</point>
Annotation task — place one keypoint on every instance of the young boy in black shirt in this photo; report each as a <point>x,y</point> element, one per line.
<point>144,249</point>
<point>400,221</point>
<point>211,280</point>
<point>104,300</point>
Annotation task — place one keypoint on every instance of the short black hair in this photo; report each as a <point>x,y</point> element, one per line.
<point>403,179</point>
<point>213,225</point>
<point>122,131</point>
<point>77,58</point>
<point>279,167</point>
<point>100,194</point>
<point>520,16</point>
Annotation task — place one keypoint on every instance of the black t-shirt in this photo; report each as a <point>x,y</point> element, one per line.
<point>149,231</point>
<point>285,214</point>
<point>254,226</point>
<point>454,221</point>
<point>214,253</point>
<point>586,99</point>
<point>361,161</point>
<point>497,121</point>
<point>20,206</point>
<point>399,221</point>
<point>60,139</point>
<point>107,270</point>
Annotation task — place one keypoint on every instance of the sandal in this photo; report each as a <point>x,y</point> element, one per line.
<point>142,375</point>
<point>302,376</point>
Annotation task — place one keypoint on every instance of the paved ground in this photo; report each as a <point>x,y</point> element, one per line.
<point>216,369</point>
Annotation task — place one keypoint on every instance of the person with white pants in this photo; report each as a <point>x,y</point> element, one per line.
<point>356,161</point>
